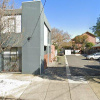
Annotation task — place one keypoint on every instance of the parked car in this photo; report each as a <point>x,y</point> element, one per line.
<point>61,53</point>
<point>94,56</point>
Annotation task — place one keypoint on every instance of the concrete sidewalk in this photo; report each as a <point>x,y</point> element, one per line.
<point>38,88</point>
<point>54,85</point>
<point>47,90</point>
<point>33,88</point>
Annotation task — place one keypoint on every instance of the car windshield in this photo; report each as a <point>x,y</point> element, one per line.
<point>92,54</point>
<point>96,53</point>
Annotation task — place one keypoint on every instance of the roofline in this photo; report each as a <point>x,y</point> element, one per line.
<point>31,1</point>
<point>84,33</point>
<point>13,12</point>
<point>47,23</point>
<point>89,33</point>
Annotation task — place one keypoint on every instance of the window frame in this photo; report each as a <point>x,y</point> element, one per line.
<point>9,27</point>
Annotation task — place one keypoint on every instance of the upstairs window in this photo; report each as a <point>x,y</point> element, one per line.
<point>11,25</point>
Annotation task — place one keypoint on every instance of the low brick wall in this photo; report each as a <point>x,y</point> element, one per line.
<point>51,56</point>
<point>52,52</point>
<point>46,60</point>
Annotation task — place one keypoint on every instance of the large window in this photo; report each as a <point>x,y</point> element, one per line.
<point>14,54</point>
<point>11,25</point>
<point>11,55</point>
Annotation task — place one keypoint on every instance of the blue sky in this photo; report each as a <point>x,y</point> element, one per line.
<point>73,16</point>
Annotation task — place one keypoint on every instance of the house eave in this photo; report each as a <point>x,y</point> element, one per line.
<point>13,12</point>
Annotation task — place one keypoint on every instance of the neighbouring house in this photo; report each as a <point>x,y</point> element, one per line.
<point>91,38</point>
<point>96,47</point>
<point>32,54</point>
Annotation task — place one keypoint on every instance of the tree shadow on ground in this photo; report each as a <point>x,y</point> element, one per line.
<point>95,67</point>
<point>89,71</point>
<point>55,73</point>
<point>95,79</point>
<point>60,73</point>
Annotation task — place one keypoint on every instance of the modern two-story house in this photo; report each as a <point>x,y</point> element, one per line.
<point>27,54</point>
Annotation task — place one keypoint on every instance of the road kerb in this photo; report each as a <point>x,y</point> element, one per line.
<point>74,79</point>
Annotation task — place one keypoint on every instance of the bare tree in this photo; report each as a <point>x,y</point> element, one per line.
<point>58,37</point>
<point>8,36</point>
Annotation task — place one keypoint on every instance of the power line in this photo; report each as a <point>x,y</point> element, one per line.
<point>29,38</point>
<point>39,18</point>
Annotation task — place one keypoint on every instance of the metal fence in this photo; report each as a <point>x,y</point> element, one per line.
<point>11,62</point>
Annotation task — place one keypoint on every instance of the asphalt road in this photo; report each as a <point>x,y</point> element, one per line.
<point>79,66</point>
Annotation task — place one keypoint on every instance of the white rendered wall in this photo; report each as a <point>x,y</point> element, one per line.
<point>45,35</point>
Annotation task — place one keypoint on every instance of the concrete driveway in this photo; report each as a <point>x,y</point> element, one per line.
<point>79,66</point>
